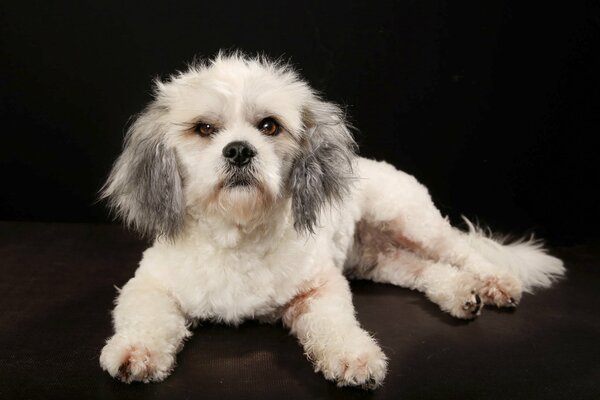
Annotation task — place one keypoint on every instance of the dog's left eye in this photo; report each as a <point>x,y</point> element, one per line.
<point>269,126</point>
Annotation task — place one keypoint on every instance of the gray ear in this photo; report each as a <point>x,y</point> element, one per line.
<point>144,187</point>
<point>323,172</point>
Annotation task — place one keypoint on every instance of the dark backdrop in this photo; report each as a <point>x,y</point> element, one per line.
<point>492,104</point>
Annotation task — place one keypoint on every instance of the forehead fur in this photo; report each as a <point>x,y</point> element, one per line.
<point>234,86</point>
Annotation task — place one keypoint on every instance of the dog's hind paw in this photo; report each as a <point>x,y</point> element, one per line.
<point>501,290</point>
<point>474,304</point>
<point>458,295</point>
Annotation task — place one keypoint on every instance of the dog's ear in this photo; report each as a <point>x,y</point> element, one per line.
<point>323,171</point>
<point>145,187</point>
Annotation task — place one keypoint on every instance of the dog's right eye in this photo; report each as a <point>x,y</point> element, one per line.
<point>204,129</point>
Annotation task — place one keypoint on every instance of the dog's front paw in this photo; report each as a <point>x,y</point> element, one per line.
<point>364,365</point>
<point>135,361</point>
<point>501,290</point>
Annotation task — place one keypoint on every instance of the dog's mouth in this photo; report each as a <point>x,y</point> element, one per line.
<point>240,180</point>
<point>232,183</point>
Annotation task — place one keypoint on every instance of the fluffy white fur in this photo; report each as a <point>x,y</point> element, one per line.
<point>282,245</point>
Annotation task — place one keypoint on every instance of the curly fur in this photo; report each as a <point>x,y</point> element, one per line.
<point>323,173</point>
<point>279,237</point>
<point>144,187</point>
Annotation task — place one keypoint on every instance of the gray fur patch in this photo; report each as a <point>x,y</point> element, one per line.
<point>144,187</point>
<point>323,172</point>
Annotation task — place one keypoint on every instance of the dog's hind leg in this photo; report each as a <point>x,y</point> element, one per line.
<point>453,289</point>
<point>398,210</point>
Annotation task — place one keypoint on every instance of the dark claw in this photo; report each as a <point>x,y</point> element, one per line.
<point>478,299</point>
<point>370,384</point>
<point>124,372</point>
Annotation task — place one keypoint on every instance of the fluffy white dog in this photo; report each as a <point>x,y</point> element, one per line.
<point>259,209</point>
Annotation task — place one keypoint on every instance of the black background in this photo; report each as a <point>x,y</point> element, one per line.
<point>494,105</point>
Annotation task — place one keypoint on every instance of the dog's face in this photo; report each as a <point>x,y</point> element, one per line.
<point>242,129</point>
<point>231,138</point>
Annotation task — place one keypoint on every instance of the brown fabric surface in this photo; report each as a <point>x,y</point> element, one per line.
<point>57,287</point>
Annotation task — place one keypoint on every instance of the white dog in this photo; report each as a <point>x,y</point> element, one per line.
<point>259,209</point>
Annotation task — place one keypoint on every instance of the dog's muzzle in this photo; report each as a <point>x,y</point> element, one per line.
<point>239,153</point>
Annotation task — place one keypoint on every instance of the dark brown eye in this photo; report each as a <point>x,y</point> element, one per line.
<point>268,126</point>
<point>204,129</point>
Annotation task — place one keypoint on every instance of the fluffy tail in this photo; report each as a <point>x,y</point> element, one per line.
<point>527,258</point>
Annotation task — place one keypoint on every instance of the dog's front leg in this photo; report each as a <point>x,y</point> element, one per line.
<point>322,316</point>
<point>149,331</point>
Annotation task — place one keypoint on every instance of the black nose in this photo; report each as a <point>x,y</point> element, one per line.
<point>239,153</point>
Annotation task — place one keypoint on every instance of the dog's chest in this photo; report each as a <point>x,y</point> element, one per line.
<point>230,285</point>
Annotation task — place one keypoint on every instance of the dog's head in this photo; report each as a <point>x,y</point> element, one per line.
<point>231,137</point>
